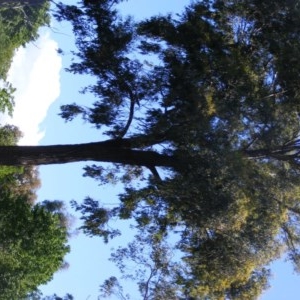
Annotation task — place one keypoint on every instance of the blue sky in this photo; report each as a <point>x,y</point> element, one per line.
<point>43,85</point>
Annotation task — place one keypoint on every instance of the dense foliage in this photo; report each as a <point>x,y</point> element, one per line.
<point>19,24</point>
<point>19,180</point>
<point>33,245</point>
<point>33,237</point>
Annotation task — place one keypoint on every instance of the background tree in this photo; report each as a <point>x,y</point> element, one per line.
<point>19,24</point>
<point>33,245</point>
<point>20,21</point>
<point>19,180</point>
<point>33,237</point>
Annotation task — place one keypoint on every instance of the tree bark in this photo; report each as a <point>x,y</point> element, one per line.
<point>104,151</point>
<point>113,151</point>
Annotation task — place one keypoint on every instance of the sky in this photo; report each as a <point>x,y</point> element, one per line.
<point>42,87</point>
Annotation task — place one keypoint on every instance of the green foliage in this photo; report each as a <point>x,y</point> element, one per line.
<point>155,275</point>
<point>95,219</point>
<point>216,89</point>
<point>7,99</point>
<point>23,181</point>
<point>9,135</point>
<point>19,24</point>
<point>32,237</point>
<point>33,244</point>
<point>111,287</point>
<point>19,180</point>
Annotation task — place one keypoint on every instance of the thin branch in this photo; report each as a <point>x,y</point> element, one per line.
<point>133,100</point>
<point>250,143</point>
<point>154,172</point>
<point>289,238</point>
<point>152,273</point>
<point>274,94</point>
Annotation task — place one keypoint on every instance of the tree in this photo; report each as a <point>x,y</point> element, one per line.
<point>212,97</point>
<point>19,24</point>
<point>33,245</point>
<point>33,237</point>
<point>20,21</point>
<point>154,275</point>
<point>19,180</point>
<point>24,181</point>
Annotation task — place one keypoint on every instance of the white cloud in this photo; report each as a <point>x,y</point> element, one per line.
<point>35,73</point>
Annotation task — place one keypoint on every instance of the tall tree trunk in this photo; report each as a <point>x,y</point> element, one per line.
<point>114,151</point>
<point>99,151</point>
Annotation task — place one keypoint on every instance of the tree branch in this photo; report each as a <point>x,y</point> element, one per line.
<point>131,113</point>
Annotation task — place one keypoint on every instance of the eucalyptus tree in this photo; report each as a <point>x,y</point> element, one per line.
<point>204,108</point>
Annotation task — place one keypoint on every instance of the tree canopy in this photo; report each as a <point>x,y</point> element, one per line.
<point>33,245</point>
<point>20,21</point>
<point>203,107</point>
<point>19,24</point>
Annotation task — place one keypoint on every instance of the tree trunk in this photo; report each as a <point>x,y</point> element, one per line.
<point>113,151</point>
<point>100,151</point>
